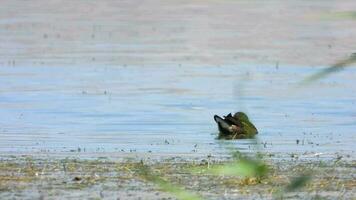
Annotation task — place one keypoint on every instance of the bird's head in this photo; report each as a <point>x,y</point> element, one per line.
<point>241,116</point>
<point>247,125</point>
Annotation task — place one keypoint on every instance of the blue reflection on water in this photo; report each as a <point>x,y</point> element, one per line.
<point>169,109</point>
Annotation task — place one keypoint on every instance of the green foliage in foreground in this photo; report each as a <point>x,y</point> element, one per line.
<point>295,184</point>
<point>298,182</point>
<point>344,15</point>
<point>241,168</point>
<point>332,69</point>
<point>340,15</point>
<point>178,191</point>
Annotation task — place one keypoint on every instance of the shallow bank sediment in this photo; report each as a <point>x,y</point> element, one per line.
<point>29,177</point>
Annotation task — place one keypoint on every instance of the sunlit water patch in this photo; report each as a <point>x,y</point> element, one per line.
<point>168,109</point>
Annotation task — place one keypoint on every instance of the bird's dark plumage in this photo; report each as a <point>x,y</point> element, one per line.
<point>235,127</point>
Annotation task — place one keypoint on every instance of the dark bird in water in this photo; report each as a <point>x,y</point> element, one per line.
<point>235,127</point>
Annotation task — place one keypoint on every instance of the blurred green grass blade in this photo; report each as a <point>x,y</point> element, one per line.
<point>180,193</point>
<point>177,191</point>
<point>340,15</point>
<point>332,69</point>
<point>298,183</point>
<point>295,184</point>
<point>321,74</point>
<point>242,168</point>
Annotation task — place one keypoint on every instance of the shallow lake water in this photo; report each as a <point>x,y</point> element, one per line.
<point>168,110</point>
<point>145,77</point>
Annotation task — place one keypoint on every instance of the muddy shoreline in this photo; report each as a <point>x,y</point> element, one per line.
<point>30,178</point>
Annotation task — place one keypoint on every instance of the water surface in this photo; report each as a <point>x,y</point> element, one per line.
<point>133,77</point>
<point>168,109</point>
